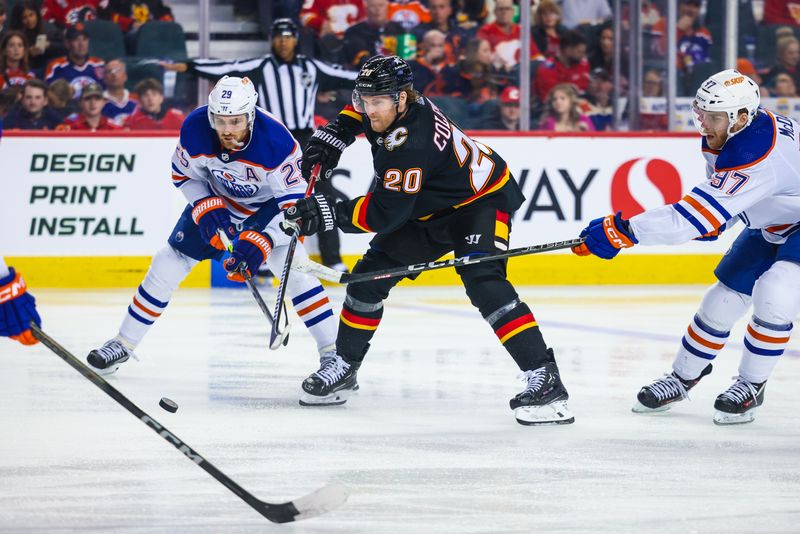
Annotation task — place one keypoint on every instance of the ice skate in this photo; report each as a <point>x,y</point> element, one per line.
<point>738,403</point>
<point>107,359</point>
<point>332,384</point>
<point>662,393</point>
<point>327,354</point>
<point>544,399</point>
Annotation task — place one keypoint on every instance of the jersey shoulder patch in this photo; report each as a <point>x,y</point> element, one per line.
<point>749,147</point>
<point>197,136</point>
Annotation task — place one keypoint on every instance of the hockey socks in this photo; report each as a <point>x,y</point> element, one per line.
<point>699,346</point>
<point>517,329</point>
<point>357,324</point>
<point>764,343</point>
<point>314,309</point>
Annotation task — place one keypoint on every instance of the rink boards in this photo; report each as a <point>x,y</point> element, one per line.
<point>89,211</point>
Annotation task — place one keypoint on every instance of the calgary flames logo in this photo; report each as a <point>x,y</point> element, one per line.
<point>395,138</point>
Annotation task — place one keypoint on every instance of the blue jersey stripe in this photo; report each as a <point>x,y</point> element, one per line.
<point>152,300</point>
<point>714,204</point>
<point>696,352</point>
<point>708,330</point>
<point>318,318</point>
<point>689,217</point>
<point>138,317</point>
<point>761,352</point>
<point>177,170</point>
<point>310,293</point>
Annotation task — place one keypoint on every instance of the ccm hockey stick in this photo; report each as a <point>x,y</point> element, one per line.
<point>331,275</point>
<point>275,335</point>
<point>284,334</point>
<point>322,500</point>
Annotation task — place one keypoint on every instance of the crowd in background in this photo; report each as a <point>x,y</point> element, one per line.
<point>465,55</point>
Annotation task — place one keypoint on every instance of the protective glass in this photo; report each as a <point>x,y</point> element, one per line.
<point>709,121</point>
<point>232,123</point>
<point>372,103</point>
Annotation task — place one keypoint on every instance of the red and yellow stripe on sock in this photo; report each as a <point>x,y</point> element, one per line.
<point>514,327</point>
<point>357,321</point>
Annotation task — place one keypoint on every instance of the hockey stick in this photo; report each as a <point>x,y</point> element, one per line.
<point>275,335</point>
<point>248,279</point>
<point>322,500</point>
<point>331,275</point>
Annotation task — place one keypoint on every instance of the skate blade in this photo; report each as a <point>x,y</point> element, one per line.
<point>641,408</point>
<point>722,418</point>
<point>104,372</point>
<point>334,399</point>
<point>555,413</point>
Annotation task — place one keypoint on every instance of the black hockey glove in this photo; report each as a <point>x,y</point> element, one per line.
<point>309,216</point>
<point>325,147</point>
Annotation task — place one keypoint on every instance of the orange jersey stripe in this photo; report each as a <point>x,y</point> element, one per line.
<point>710,345</point>
<point>309,309</point>
<point>703,211</point>
<point>765,338</point>
<point>148,312</point>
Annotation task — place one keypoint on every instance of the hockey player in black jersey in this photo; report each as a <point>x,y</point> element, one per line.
<point>436,191</point>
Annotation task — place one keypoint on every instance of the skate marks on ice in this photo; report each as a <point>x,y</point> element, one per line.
<point>428,444</point>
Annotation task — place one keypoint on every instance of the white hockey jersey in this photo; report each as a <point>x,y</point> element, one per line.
<point>755,177</point>
<point>267,168</point>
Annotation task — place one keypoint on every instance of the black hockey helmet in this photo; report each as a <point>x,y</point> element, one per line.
<point>382,75</point>
<point>284,27</point>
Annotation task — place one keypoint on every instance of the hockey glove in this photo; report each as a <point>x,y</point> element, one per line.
<point>605,237</point>
<point>325,147</point>
<point>713,235</point>
<point>309,216</point>
<point>250,250</point>
<point>17,309</point>
<point>209,214</point>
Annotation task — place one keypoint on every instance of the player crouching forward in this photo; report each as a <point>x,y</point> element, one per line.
<point>237,166</point>
<point>753,173</point>
<point>436,191</point>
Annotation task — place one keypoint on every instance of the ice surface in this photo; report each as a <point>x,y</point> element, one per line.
<point>428,444</point>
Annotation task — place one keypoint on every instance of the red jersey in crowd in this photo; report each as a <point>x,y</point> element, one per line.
<point>782,12</point>
<point>340,14</point>
<point>552,72</point>
<point>126,12</point>
<point>171,119</point>
<point>77,123</point>
<point>65,13</point>
<point>506,45</point>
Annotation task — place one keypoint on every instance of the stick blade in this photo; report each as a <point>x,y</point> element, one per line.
<point>319,502</point>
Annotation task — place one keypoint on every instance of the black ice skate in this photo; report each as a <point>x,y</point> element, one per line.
<point>109,357</point>
<point>659,396</point>
<point>544,399</point>
<point>332,384</point>
<point>738,403</point>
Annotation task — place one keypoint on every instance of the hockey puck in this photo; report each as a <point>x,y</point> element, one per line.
<point>168,404</point>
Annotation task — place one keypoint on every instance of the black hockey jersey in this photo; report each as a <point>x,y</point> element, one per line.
<point>425,167</point>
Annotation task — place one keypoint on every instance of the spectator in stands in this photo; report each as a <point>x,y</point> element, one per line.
<point>129,15</point>
<point>90,112</point>
<point>547,28</point>
<point>652,115</point>
<point>570,66</point>
<point>585,12</point>
<point>76,67</point>
<point>508,112</point>
<point>562,112</point>
<point>784,86</point>
<point>8,99</point>
<point>45,41</point>
<point>442,19</point>
<point>376,35</point>
<point>119,103</point>
<point>32,113</point>
<point>61,98</point>
<point>409,13</point>
<point>429,65</point>
<point>599,107</point>
<point>781,12</point>
<point>3,16</point>
<point>66,13</point>
<point>472,78</point>
<point>694,39</point>
<point>470,14</point>
<point>151,113</point>
<point>788,61</point>
<point>504,37</point>
<point>332,17</point>
<point>14,67</point>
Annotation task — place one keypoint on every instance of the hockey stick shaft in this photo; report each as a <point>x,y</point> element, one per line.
<point>331,275</point>
<point>248,279</point>
<point>287,265</point>
<point>332,496</point>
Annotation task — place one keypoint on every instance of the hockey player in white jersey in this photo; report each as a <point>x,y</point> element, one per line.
<point>238,167</point>
<point>753,174</point>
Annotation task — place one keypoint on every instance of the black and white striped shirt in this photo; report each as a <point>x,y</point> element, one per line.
<point>287,90</point>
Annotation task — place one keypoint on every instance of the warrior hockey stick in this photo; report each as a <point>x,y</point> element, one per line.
<point>331,275</point>
<point>323,500</point>
<point>248,279</point>
<point>275,335</point>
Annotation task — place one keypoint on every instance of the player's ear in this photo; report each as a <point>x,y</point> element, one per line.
<point>403,99</point>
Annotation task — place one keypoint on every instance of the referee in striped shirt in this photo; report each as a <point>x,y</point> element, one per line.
<point>287,85</point>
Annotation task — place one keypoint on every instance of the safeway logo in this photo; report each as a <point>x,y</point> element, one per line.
<point>647,178</point>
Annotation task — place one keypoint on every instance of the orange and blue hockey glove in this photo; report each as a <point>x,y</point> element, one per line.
<point>208,214</point>
<point>17,309</point>
<point>250,250</point>
<point>605,237</point>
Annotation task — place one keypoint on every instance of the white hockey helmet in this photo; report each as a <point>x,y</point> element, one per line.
<point>233,96</point>
<point>728,91</point>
